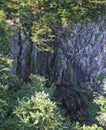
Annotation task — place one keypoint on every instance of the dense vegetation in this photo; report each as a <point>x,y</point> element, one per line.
<point>31,106</point>
<point>43,20</point>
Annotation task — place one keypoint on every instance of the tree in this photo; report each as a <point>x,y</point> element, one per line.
<point>45,18</point>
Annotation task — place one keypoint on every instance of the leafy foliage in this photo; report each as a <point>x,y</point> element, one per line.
<point>5,64</point>
<point>3,103</point>
<point>33,107</point>
<point>97,109</point>
<point>4,34</point>
<point>38,112</point>
<point>45,19</point>
<point>53,16</point>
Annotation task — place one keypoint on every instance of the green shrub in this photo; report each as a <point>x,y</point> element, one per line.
<point>3,102</point>
<point>38,112</point>
<point>97,109</point>
<point>10,123</point>
<point>78,126</point>
<point>32,107</point>
<point>93,127</point>
<point>37,84</point>
<point>97,106</point>
<point>5,64</point>
<point>14,80</point>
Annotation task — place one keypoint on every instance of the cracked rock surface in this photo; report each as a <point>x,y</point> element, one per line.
<point>79,61</point>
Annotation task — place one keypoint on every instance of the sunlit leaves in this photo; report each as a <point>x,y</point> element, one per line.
<point>5,64</point>
<point>53,14</point>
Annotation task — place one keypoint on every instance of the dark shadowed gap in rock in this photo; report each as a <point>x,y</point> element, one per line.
<point>19,68</point>
<point>74,102</point>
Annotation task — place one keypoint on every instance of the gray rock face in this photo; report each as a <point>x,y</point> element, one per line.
<point>79,60</point>
<point>23,54</point>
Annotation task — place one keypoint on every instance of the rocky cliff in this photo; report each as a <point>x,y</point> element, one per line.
<point>77,66</point>
<point>79,61</point>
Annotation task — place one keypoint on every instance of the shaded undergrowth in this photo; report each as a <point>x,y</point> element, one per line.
<point>33,107</point>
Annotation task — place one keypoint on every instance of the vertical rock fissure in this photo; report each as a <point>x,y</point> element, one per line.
<point>19,68</point>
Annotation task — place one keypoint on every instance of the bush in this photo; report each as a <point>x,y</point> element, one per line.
<point>37,84</point>
<point>3,101</point>
<point>32,107</point>
<point>5,64</point>
<point>10,123</point>
<point>93,127</point>
<point>97,109</point>
<point>38,112</point>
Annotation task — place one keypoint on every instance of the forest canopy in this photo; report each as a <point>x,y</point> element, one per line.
<point>43,19</point>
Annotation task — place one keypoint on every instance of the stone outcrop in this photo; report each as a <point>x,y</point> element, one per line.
<point>79,61</point>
